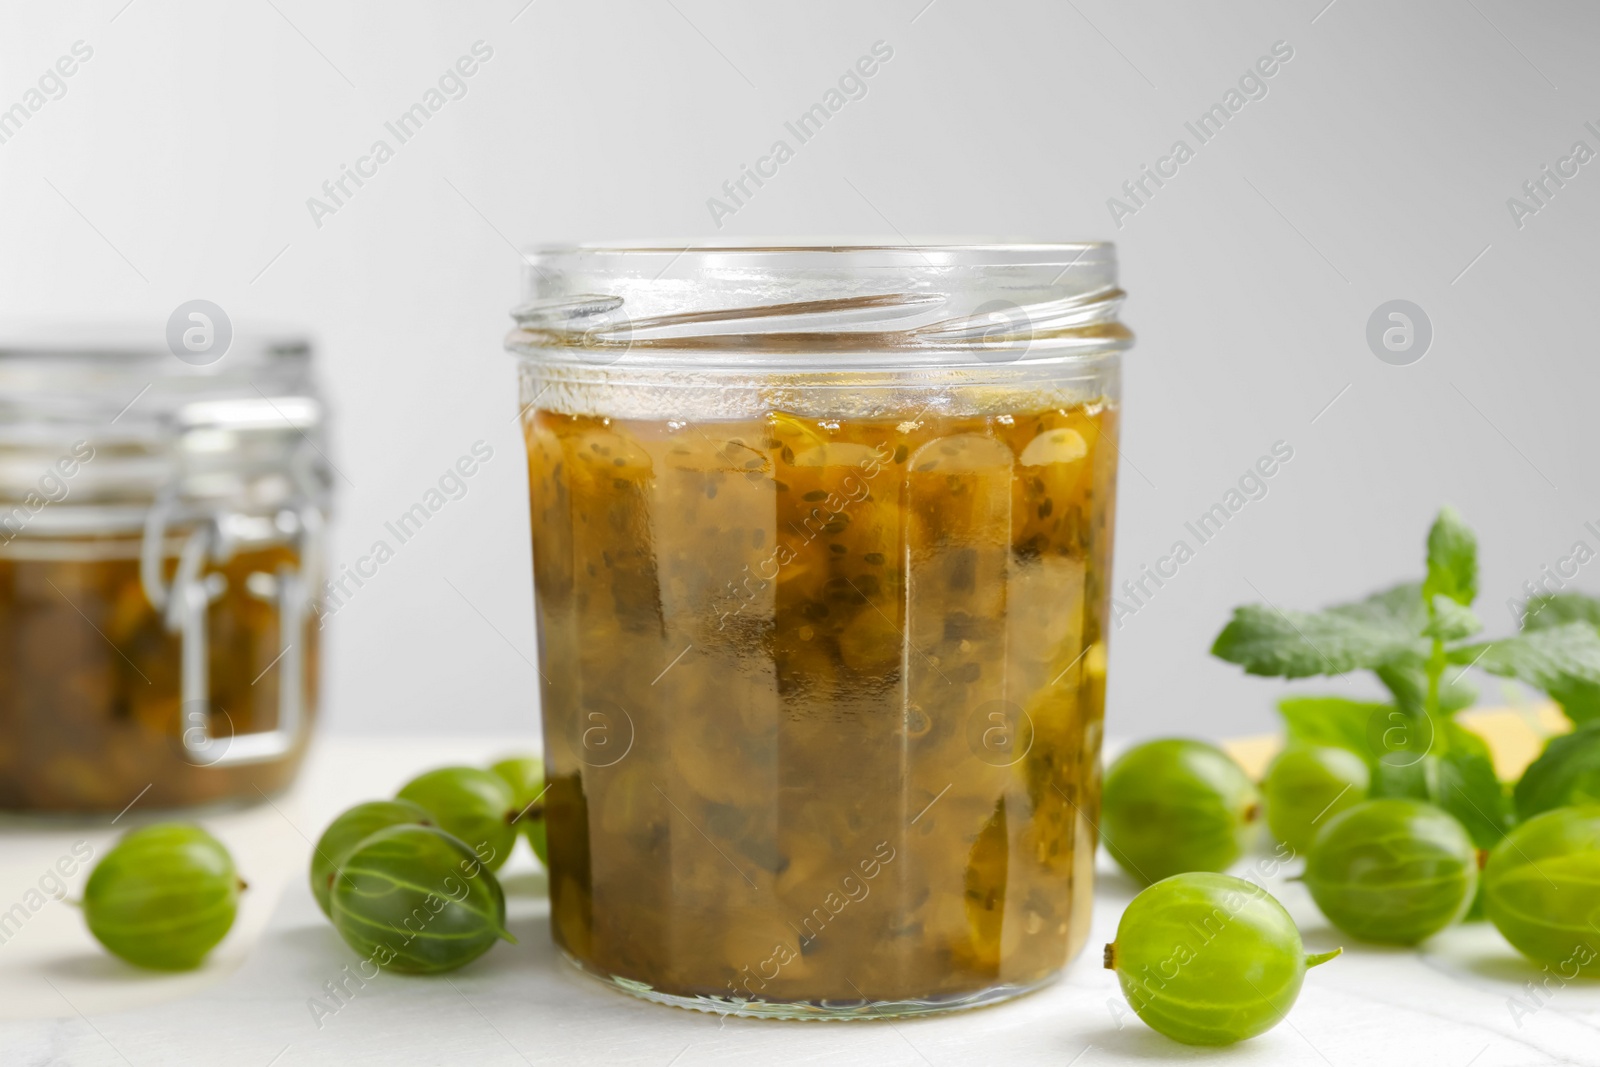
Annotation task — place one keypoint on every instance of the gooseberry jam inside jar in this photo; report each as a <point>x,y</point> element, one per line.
<point>91,688</point>
<point>821,542</point>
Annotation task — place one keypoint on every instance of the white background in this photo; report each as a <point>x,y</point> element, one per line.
<point>179,161</point>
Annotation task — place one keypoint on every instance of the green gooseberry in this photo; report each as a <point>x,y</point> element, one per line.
<point>1209,959</point>
<point>163,896</point>
<point>347,831</point>
<point>525,776</point>
<point>475,805</point>
<point>1542,888</point>
<point>1176,805</point>
<point>416,899</point>
<point>1307,784</point>
<point>1394,870</point>
<point>1566,774</point>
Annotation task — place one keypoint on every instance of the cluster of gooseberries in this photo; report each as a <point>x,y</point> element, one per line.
<point>408,882</point>
<point>1209,959</point>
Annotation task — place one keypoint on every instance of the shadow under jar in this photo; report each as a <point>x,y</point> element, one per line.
<point>160,532</point>
<point>821,546</point>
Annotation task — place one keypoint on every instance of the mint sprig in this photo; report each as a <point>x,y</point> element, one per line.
<point>1384,629</point>
<point>1414,638</point>
<point>1411,634</point>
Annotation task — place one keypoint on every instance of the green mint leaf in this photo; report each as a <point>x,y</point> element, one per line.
<point>1453,771</point>
<point>1452,621</point>
<point>1550,610</point>
<point>1400,606</point>
<point>1408,681</point>
<point>1579,700</point>
<point>1418,780</point>
<point>1564,661</point>
<point>1332,721</point>
<point>1566,774</point>
<point>1452,559</point>
<point>1299,644</point>
<point>1468,788</point>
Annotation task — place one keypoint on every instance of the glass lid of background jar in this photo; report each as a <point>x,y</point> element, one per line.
<point>244,423</point>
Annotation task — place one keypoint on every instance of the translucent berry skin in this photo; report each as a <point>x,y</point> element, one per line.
<point>525,776</point>
<point>163,896</point>
<point>1209,959</point>
<point>474,805</point>
<point>1542,889</point>
<point>1309,784</point>
<point>347,831</point>
<point>415,899</point>
<point>1176,805</point>
<point>1393,871</point>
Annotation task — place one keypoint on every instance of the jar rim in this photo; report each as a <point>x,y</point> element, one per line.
<point>766,245</point>
<point>770,254</point>
<point>644,301</point>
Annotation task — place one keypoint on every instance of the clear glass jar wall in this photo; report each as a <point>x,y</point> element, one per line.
<point>160,528</point>
<point>821,543</point>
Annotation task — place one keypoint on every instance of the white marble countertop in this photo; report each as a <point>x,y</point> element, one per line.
<point>64,1001</point>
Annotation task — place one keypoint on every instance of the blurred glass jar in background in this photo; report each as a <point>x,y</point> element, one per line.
<point>821,546</point>
<point>160,536</point>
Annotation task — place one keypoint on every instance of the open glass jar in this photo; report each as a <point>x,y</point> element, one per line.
<point>821,544</point>
<point>160,532</point>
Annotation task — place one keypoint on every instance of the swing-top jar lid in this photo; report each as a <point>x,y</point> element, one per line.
<point>241,422</point>
<point>129,375</point>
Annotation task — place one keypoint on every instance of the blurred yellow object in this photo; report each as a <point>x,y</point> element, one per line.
<point>1515,736</point>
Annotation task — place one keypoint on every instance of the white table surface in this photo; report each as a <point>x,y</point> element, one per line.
<point>64,1001</point>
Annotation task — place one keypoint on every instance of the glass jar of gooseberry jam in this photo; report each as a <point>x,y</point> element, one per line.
<point>821,546</point>
<point>160,529</point>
